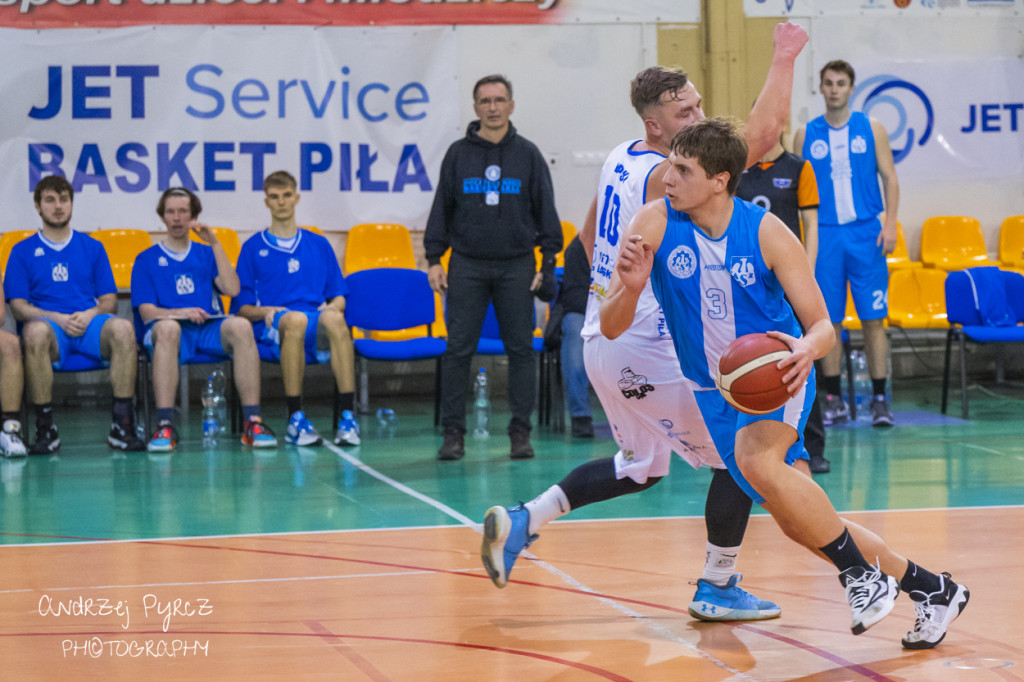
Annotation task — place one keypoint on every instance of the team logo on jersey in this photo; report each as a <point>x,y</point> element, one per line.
<point>264,253</point>
<point>39,251</point>
<point>161,261</point>
<point>493,173</point>
<point>859,145</point>
<point>623,173</point>
<point>59,271</point>
<point>682,262</point>
<point>634,385</point>
<point>742,270</point>
<point>184,285</point>
<point>293,265</point>
<point>819,149</point>
<point>782,183</point>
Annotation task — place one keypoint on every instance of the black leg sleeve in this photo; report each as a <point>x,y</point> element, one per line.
<point>726,511</point>
<point>595,481</point>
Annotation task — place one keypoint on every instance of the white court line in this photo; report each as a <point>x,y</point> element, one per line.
<point>565,577</point>
<point>978,447</point>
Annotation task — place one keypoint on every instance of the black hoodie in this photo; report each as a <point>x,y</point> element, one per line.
<point>493,201</point>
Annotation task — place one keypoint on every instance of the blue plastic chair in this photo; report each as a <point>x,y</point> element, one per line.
<point>965,293</point>
<point>393,299</point>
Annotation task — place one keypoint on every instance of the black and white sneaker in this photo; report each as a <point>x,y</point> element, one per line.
<point>881,415</point>
<point>935,612</point>
<point>871,594</point>
<point>125,439</point>
<point>47,441</point>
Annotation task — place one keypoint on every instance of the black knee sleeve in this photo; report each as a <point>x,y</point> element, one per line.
<point>595,481</point>
<point>726,510</point>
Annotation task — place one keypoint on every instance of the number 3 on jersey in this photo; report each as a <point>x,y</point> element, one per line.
<point>608,226</point>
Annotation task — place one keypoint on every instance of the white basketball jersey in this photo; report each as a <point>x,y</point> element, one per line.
<point>621,193</point>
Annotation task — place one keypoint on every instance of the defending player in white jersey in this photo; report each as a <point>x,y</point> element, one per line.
<point>649,404</point>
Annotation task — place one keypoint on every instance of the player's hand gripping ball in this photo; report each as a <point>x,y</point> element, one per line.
<point>748,376</point>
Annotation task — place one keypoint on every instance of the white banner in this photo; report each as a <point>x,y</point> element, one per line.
<point>947,119</point>
<point>813,8</point>
<point>360,116</point>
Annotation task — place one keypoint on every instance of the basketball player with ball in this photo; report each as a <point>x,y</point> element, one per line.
<point>722,268</point>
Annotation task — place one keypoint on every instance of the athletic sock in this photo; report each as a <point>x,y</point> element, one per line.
<point>917,578</point>
<point>720,564</point>
<point>844,553</point>
<point>164,415</point>
<point>347,401</point>
<point>833,386</point>
<point>123,411</point>
<point>294,403</point>
<point>11,416</point>
<point>44,415</point>
<point>250,411</point>
<point>548,506</point>
<point>878,387</point>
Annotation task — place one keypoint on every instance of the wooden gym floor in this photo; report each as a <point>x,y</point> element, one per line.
<point>362,563</point>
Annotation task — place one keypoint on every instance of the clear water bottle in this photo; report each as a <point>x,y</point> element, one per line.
<point>213,402</point>
<point>482,404</point>
<point>861,383</point>
<point>386,423</point>
<point>220,386</point>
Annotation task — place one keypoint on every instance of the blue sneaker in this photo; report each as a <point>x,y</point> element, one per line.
<point>730,603</point>
<point>506,534</point>
<point>348,430</point>
<point>301,431</point>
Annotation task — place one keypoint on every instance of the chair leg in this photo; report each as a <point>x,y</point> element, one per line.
<point>437,392</point>
<point>945,369</point>
<point>364,385</point>
<point>851,388</point>
<point>963,374</point>
<point>183,391</point>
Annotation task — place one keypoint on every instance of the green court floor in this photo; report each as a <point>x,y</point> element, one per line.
<point>86,491</point>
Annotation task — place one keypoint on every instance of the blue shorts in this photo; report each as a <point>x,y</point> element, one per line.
<point>723,421</point>
<point>268,339</point>
<point>198,340</point>
<point>850,253</point>
<point>83,352</point>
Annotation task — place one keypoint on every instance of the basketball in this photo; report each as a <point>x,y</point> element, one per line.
<point>748,376</point>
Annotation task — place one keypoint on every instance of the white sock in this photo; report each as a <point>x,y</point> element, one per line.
<point>720,564</point>
<point>548,506</point>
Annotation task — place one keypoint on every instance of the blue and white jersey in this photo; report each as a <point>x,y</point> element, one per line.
<point>621,193</point>
<point>62,278</point>
<point>845,168</point>
<point>168,279</point>
<point>715,290</point>
<point>299,276</point>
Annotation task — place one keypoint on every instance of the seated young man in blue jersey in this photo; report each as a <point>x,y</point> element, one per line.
<point>173,293</point>
<point>61,289</point>
<point>12,382</point>
<point>294,295</point>
<point>722,267</point>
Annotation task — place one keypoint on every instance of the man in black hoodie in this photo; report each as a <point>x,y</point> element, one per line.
<point>494,203</point>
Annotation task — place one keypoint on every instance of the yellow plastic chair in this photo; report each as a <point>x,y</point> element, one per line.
<point>378,245</point>
<point>917,298</point>
<point>568,232</point>
<point>900,257</point>
<point>851,321</point>
<point>122,247</point>
<point>7,242</point>
<point>313,228</point>
<point>228,238</point>
<point>1011,242</point>
<point>953,243</point>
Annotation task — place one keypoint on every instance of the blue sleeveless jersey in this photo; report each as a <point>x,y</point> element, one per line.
<point>845,168</point>
<point>715,290</point>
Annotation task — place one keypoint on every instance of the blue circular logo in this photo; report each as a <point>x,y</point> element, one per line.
<point>902,106</point>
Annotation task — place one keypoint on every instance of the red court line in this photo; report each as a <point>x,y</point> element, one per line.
<point>348,652</point>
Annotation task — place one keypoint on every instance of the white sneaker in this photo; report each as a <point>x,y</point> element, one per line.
<point>301,431</point>
<point>935,612</point>
<point>348,430</point>
<point>10,439</point>
<point>871,594</point>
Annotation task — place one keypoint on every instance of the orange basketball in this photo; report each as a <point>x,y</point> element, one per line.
<point>748,376</point>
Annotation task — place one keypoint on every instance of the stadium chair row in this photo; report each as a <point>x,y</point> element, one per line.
<point>956,242</point>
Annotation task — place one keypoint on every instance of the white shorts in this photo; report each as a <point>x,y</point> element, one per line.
<point>649,405</point>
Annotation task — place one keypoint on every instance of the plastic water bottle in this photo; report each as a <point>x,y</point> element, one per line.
<point>861,383</point>
<point>220,386</point>
<point>386,423</point>
<point>482,404</point>
<point>213,401</point>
